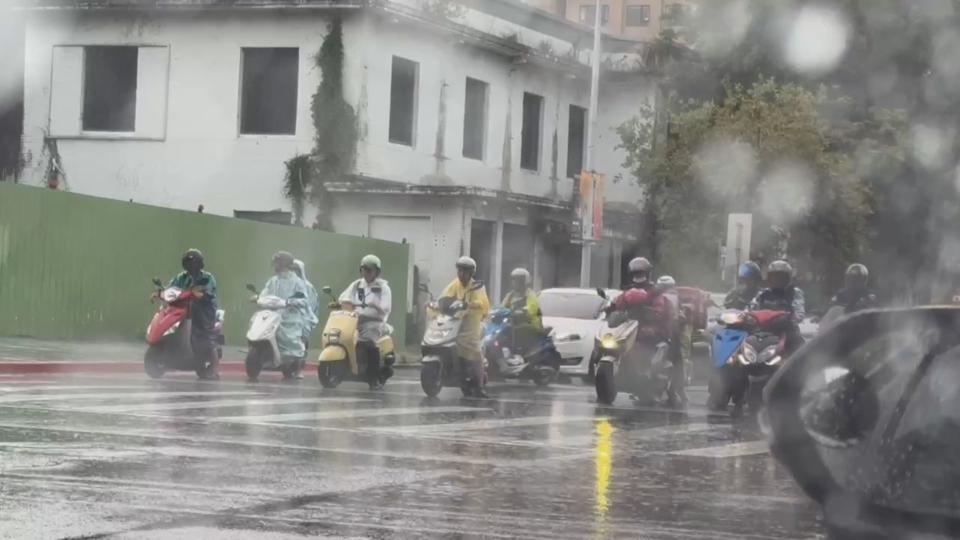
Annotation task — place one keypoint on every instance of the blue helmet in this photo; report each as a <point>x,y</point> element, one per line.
<point>749,270</point>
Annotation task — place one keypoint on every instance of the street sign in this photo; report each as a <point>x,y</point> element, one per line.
<point>590,210</point>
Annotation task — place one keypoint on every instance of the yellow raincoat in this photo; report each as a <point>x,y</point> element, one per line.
<point>530,302</point>
<point>471,331</point>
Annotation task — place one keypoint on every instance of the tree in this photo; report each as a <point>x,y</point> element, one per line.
<point>764,149</point>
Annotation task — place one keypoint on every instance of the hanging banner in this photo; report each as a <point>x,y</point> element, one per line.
<point>591,205</point>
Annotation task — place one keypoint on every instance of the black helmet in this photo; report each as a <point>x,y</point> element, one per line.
<point>192,258</point>
<point>856,276</point>
<point>779,274</point>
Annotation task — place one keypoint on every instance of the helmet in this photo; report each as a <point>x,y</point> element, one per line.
<point>520,273</point>
<point>856,275</point>
<point>284,259</point>
<point>779,274</point>
<point>749,270</point>
<point>371,261</point>
<point>466,263</point>
<point>192,257</point>
<point>666,282</point>
<point>639,264</point>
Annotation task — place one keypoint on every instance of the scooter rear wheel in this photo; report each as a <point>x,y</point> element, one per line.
<point>431,379</point>
<point>543,376</point>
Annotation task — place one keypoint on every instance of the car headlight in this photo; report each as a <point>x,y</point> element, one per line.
<point>609,342</point>
<point>562,338</point>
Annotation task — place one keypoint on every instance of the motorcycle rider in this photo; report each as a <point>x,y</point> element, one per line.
<point>313,307</point>
<point>373,300</point>
<point>782,295</point>
<point>474,295</point>
<point>521,297</point>
<point>287,285</point>
<point>676,392</point>
<point>203,310</point>
<point>854,296</point>
<point>660,325</point>
<point>749,278</point>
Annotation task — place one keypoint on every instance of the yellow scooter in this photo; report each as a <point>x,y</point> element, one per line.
<point>338,357</point>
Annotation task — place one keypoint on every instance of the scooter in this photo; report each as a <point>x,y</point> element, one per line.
<point>747,351</point>
<point>539,362</point>
<point>168,334</point>
<point>621,361</point>
<point>263,352</point>
<point>732,330</point>
<point>338,357</point>
<point>441,365</point>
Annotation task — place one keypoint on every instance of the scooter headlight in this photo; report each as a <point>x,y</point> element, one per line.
<point>747,355</point>
<point>170,294</point>
<point>333,336</point>
<point>769,356</point>
<point>609,343</point>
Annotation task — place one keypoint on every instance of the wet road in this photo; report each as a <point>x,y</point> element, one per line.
<point>125,457</point>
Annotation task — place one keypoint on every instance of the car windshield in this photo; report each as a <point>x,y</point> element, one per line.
<point>570,305</point>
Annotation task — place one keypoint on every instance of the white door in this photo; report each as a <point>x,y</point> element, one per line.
<point>416,231</point>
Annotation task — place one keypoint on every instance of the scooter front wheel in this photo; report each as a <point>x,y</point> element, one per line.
<point>329,374</point>
<point>431,378</point>
<point>543,376</point>
<point>605,383</point>
<point>152,364</point>
<point>254,361</point>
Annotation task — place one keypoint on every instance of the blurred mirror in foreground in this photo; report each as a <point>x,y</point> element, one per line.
<point>867,419</point>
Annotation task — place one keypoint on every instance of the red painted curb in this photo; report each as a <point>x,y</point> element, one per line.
<point>18,367</point>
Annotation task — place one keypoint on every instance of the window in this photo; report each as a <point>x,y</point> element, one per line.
<point>576,139</point>
<point>530,134</point>
<point>475,119</point>
<point>403,100</point>
<point>268,99</point>
<point>638,15</point>
<point>110,89</point>
<point>588,12</point>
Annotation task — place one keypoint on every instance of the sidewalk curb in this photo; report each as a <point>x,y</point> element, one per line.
<point>25,367</point>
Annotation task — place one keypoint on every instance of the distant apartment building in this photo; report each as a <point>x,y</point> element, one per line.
<point>641,20</point>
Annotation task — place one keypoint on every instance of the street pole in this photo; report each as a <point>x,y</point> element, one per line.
<point>586,247</point>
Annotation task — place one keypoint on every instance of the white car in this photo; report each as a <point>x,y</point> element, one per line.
<point>575,316</point>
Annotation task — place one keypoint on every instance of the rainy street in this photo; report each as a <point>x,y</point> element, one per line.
<point>120,456</point>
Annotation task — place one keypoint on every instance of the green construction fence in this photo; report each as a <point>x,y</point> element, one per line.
<point>80,267</point>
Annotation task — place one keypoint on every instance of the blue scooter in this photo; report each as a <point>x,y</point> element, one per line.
<point>731,332</point>
<point>507,358</point>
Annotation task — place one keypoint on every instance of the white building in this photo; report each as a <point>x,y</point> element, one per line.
<point>192,102</point>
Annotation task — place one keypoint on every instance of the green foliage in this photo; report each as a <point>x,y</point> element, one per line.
<point>296,183</point>
<point>763,149</point>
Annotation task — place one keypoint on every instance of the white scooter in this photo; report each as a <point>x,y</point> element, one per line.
<point>263,352</point>
<point>441,365</point>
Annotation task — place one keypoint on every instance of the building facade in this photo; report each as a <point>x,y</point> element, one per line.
<point>471,122</point>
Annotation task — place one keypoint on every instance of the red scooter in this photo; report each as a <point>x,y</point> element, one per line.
<point>168,334</point>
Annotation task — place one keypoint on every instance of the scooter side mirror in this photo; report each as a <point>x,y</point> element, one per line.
<point>327,289</point>
<point>601,293</point>
<point>157,282</point>
<point>251,288</point>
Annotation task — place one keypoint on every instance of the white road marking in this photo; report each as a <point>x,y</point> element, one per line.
<point>432,456</point>
<point>48,387</point>
<point>727,450</point>
<point>126,395</point>
<point>347,413</point>
<point>669,430</point>
<point>478,425</point>
<point>182,405</point>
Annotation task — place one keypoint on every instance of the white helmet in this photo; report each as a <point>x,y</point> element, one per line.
<point>467,263</point>
<point>666,282</point>
<point>518,273</point>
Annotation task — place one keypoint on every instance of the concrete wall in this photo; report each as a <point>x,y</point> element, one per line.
<point>201,158</point>
<point>80,267</point>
